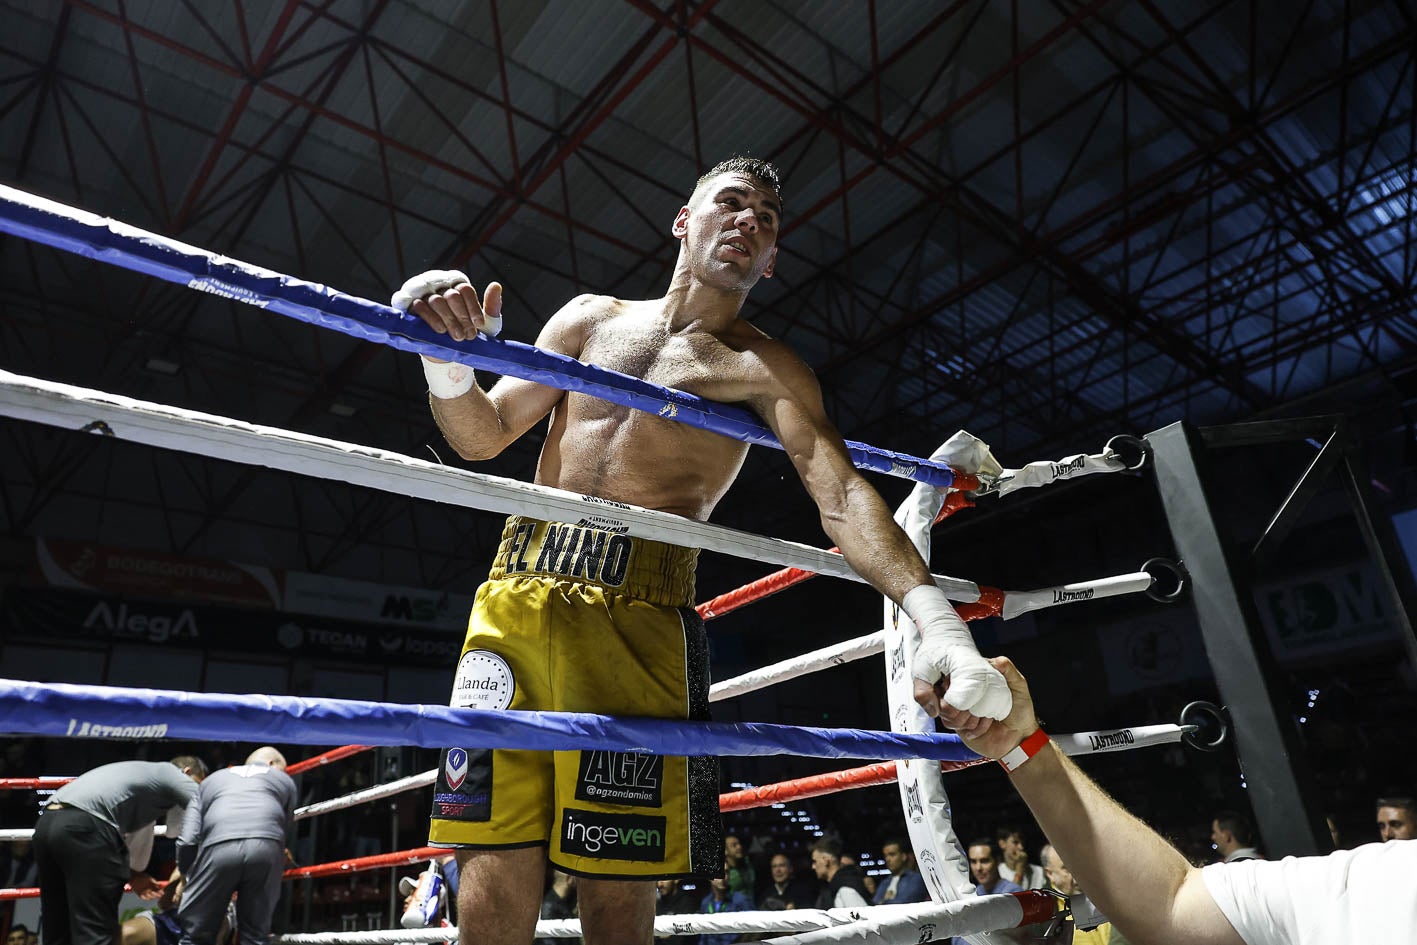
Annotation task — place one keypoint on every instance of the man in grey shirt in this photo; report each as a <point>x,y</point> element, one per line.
<point>79,847</point>
<point>233,841</point>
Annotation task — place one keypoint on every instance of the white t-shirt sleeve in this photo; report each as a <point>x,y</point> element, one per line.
<point>848,898</point>
<point>1366,896</point>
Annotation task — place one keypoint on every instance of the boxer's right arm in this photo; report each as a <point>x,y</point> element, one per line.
<point>480,424</point>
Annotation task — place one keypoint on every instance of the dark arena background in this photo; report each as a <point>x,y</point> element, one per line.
<point>1047,222</point>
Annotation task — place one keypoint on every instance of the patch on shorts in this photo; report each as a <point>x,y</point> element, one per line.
<point>455,768</point>
<point>483,681</point>
<point>621,777</point>
<point>612,836</point>
<point>464,788</point>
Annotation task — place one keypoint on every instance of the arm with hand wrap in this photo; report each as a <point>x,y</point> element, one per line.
<point>856,517</point>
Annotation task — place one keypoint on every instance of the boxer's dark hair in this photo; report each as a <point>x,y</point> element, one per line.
<point>764,172</point>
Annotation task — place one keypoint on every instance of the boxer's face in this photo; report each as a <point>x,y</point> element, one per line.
<point>729,229</point>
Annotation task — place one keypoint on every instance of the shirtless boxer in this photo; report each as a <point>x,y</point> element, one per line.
<point>576,618</point>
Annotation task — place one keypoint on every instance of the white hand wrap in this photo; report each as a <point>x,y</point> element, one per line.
<point>947,649</point>
<point>447,379</point>
<point>438,281</point>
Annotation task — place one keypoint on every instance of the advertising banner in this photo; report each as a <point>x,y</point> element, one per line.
<point>1326,611</point>
<point>86,566</point>
<point>154,576</point>
<point>56,615</point>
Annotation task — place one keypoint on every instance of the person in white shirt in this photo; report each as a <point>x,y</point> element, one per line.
<point>1154,897</point>
<point>843,884</point>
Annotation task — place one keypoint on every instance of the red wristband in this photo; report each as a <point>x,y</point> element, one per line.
<point>1026,749</point>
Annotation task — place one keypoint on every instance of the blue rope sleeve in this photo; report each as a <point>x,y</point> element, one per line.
<point>77,231</point>
<point>115,712</point>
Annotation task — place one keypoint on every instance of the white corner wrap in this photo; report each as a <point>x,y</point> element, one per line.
<point>438,280</point>
<point>1044,473</point>
<point>921,785</point>
<point>917,922</point>
<point>204,434</point>
<point>967,453</point>
<point>1022,602</point>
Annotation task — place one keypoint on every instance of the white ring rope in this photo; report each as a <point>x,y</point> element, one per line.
<point>375,793</point>
<point>835,655</point>
<point>190,431</point>
<point>1023,602</point>
<point>902,923</point>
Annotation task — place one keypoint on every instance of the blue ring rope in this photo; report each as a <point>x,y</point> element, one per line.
<point>110,241</point>
<point>57,709</point>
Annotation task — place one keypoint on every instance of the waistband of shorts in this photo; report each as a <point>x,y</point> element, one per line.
<point>651,571</point>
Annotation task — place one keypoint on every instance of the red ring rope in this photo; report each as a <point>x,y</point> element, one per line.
<point>50,784</point>
<point>334,754</point>
<point>771,584</point>
<point>764,795</point>
<point>33,784</point>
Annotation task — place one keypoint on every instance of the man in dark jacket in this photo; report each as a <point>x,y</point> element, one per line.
<point>784,889</point>
<point>233,841</point>
<point>843,886</point>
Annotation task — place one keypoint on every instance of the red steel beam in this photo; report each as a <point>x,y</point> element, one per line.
<point>233,116</point>
<point>573,140</point>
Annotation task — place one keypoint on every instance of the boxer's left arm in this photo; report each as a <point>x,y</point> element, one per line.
<point>856,518</point>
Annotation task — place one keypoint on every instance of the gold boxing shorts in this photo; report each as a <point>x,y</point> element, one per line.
<point>577,619</point>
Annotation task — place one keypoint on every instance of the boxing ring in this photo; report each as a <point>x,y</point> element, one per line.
<point>911,754</point>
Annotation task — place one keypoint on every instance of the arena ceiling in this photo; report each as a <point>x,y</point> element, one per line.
<point>1045,221</point>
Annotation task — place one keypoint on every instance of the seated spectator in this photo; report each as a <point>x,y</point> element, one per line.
<point>843,885</point>
<point>559,903</point>
<point>17,934</point>
<point>1397,818</point>
<point>1233,837</point>
<point>984,867</point>
<point>867,879</point>
<point>741,876</point>
<point>1017,869</point>
<point>1061,879</point>
<point>784,889</point>
<point>721,899</point>
<point>18,870</point>
<point>905,884</point>
<point>671,898</point>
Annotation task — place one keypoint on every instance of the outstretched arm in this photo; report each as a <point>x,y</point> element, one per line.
<point>952,681</point>
<point>480,424</point>
<point>1139,880</point>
